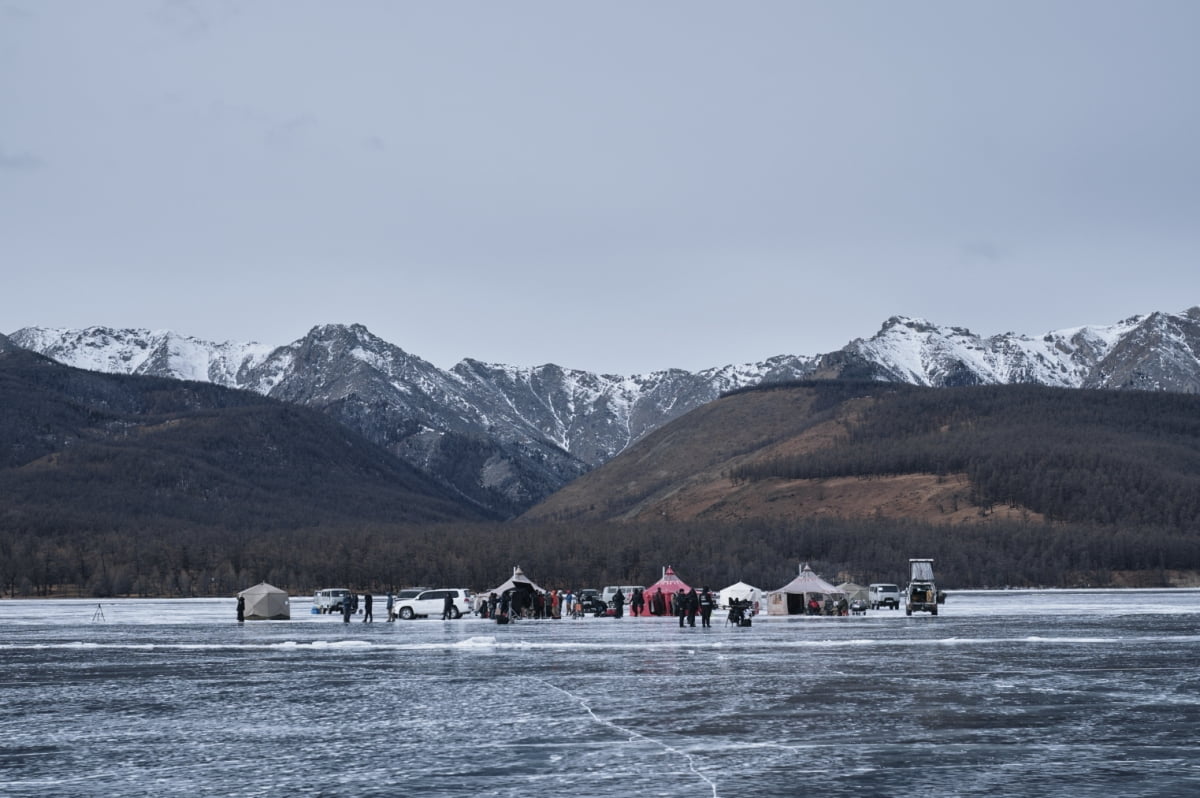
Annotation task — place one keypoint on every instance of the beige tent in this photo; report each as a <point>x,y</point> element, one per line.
<point>517,580</point>
<point>853,591</point>
<point>266,603</point>
<point>791,598</point>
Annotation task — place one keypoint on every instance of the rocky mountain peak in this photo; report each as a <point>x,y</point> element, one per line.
<point>506,436</point>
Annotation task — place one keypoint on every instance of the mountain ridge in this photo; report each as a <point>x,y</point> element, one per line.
<point>505,437</point>
<point>96,450</point>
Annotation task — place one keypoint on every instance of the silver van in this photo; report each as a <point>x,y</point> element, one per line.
<point>330,599</point>
<point>882,594</point>
<point>606,595</point>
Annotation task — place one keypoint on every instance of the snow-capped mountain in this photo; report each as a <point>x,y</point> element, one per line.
<point>503,436</point>
<point>1160,351</point>
<point>508,436</point>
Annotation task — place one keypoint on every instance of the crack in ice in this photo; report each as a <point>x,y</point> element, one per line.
<point>634,735</point>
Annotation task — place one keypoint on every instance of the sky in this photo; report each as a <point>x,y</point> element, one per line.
<point>617,187</point>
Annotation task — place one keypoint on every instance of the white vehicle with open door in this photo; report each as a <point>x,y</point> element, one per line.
<point>922,594</point>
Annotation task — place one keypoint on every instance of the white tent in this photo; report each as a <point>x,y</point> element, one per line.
<point>791,598</point>
<point>518,580</point>
<point>266,603</point>
<point>742,592</point>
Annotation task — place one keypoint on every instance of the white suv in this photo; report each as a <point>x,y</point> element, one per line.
<point>431,603</point>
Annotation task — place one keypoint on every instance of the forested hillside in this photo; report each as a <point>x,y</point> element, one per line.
<point>1127,458</point>
<point>86,455</point>
<point>139,486</point>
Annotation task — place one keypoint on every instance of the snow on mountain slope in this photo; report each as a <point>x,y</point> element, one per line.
<point>135,351</point>
<point>507,436</point>
<point>1110,356</point>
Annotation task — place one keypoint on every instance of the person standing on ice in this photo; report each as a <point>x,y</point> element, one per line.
<point>391,603</point>
<point>347,609</point>
<point>637,602</point>
<point>241,609</point>
<point>706,607</point>
<point>367,616</point>
<point>447,607</point>
<point>693,605</point>
<point>618,604</point>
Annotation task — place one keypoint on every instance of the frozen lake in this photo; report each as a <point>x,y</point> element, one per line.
<point>1026,693</point>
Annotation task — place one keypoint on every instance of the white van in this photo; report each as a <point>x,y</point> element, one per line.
<point>606,595</point>
<point>882,594</point>
<point>330,599</point>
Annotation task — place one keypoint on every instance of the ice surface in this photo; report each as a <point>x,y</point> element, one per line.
<point>1047,693</point>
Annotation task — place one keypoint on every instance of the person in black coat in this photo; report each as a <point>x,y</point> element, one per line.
<point>241,609</point>
<point>658,603</point>
<point>367,617</point>
<point>637,602</point>
<point>693,605</point>
<point>618,604</point>
<point>706,607</point>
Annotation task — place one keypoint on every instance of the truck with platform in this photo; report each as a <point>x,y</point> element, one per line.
<point>922,594</point>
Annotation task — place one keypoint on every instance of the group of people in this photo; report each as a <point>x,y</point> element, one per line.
<point>831,606</point>
<point>537,604</point>
<point>686,605</point>
<point>530,603</point>
<point>521,603</point>
<point>350,607</point>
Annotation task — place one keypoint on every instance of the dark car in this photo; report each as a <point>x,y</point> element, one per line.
<point>592,603</point>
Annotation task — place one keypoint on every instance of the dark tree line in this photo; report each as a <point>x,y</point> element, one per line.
<point>182,560</point>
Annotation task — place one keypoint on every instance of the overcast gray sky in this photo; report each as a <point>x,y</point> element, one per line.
<point>617,187</point>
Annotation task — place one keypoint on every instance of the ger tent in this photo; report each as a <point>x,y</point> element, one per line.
<point>266,603</point>
<point>518,581</point>
<point>853,591</point>
<point>658,595</point>
<point>742,592</point>
<point>791,598</point>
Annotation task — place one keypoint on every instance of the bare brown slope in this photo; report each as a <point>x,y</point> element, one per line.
<point>681,472</point>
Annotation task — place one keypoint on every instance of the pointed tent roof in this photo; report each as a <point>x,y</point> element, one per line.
<point>266,603</point>
<point>667,585</point>
<point>518,579</point>
<point>807,582</point>
<point>740,590</point>
<point>853,591</point>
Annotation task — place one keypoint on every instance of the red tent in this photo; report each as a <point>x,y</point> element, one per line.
<point>668,586</point>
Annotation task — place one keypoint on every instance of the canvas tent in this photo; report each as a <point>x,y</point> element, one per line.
<point>518,581</point>
<point>853,591</point>
<point>658,595</point>
<point>266,603</point>
<point>791,598</point>
<point>742,592</point>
